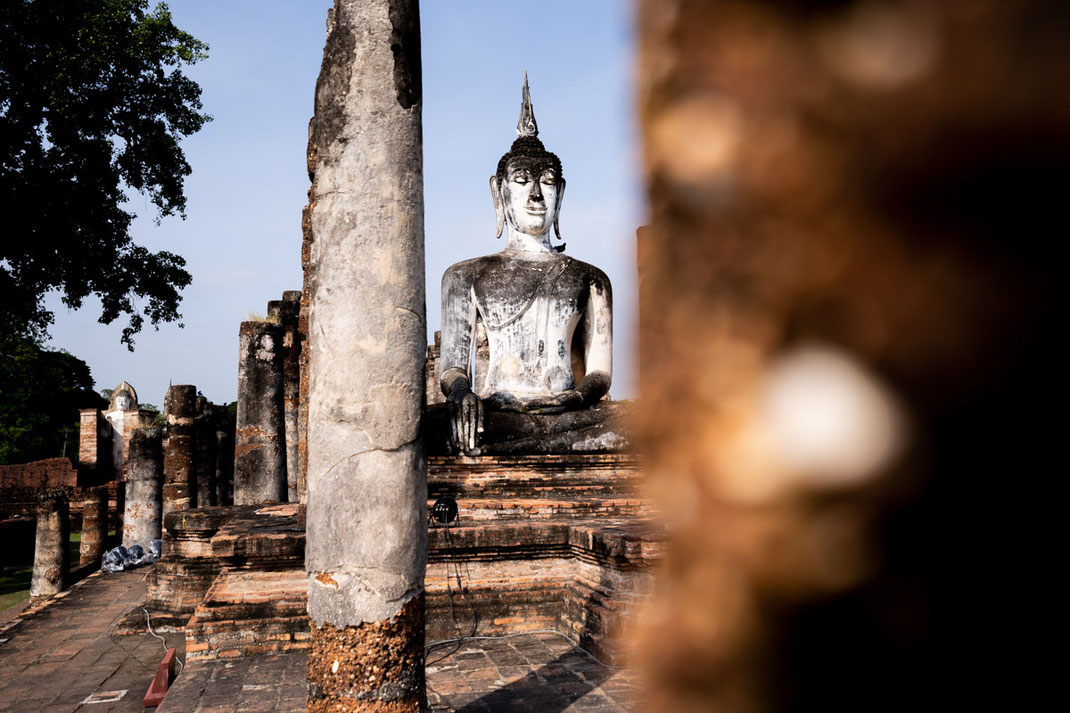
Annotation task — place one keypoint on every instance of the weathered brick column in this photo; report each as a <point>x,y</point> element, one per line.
<point>51,558</point>
<point>367,538</point>
<point>180,410</point>
<point>144,486</point>
<point>260,447</point>
<point>94,524</point>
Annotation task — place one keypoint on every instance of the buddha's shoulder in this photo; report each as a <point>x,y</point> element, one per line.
<point>497,263</point>
<point>589,272</point>
<point>480,266</point>
<point>466,269</point>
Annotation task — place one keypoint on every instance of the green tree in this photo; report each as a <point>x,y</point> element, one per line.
<point>41,391</point>
<point>93,103</point>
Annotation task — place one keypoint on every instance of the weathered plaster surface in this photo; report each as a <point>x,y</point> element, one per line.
<point>144,484</point>
<point>366,545</point>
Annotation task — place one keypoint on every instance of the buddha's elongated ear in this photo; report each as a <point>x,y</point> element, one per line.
<point>557,210</point>
<point>499,206</point>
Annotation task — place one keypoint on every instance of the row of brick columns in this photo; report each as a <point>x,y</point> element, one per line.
<point>189,466</point>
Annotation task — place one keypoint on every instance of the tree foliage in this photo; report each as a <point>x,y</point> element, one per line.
<point>93,103</point>
<point>41,392</point>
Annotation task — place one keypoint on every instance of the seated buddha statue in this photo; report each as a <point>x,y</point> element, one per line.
<point>548,317</point>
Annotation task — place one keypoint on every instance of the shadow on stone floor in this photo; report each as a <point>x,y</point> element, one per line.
<point>551,688</point>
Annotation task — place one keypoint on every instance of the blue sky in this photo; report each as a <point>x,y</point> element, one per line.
<point>242,236</point>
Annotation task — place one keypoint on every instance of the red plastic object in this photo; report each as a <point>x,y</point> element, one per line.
<point>165,674</point>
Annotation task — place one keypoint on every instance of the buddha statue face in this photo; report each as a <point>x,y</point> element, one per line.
<point>527,188</point>
<point>530,195</point>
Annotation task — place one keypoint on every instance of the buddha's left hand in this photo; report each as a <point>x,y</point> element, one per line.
<point>555,403</point>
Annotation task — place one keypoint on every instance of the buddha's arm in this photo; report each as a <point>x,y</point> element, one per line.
<point>458,328</point>
<point>598,342</point>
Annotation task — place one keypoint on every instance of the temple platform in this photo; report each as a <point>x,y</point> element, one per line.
<point>546,542</point>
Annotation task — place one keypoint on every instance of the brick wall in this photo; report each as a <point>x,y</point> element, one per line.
<point>31,478</point>
<point>87,437</point>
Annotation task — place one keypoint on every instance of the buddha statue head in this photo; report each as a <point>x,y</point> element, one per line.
<point>528,185</point>
<point>123,398</point>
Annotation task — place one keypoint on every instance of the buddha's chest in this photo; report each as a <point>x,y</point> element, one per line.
<point>529,299</point>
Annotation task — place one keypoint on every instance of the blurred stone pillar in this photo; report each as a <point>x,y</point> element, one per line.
<point>180,413</point>
<point>260,447</point>
<point>367,534</point>
<point>144,487</point>
<point>51,557</point>
<point>94,524</point>
<point>848,292</point>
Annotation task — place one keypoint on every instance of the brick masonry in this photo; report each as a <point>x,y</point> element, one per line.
<point>28,479</point>
<point>543,542</point>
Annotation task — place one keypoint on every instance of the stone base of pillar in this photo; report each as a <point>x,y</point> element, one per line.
<point>371,667</point>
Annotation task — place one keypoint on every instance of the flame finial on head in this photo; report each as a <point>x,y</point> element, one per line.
<point>526,126</point>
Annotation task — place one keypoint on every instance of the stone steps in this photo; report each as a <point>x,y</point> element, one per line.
<point>248,613</point>
<point>542,542</point>
<point>556,506</point>
<point>591,475</point>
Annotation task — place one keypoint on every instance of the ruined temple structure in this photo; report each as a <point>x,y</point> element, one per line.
<point>92,484</point>
<point>535,522</point>
<point>386,493</point>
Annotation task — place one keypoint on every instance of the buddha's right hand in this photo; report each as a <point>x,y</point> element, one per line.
<point>466,421</point>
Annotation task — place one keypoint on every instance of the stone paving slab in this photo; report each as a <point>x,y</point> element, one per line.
<point>55,659</point>
<point>537,674</point>
<point>272,683</point>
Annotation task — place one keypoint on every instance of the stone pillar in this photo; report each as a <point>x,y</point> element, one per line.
<point>51,557</point>
<point>180,411</point>
<point>224,454</point>
<point>289,312</point>
<point>117,516</point>
<point>144,486</point>
<point>94,524</point>
<point>204,460</point>
<point>302,331</point>
<point>260,447</point>
<point>367,536</point>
